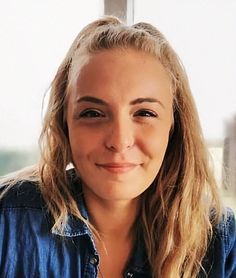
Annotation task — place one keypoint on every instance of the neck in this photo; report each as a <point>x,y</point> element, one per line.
<point>112,219</point>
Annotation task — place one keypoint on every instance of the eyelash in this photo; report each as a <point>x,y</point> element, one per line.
<point>146,113</point>
<point>93,113</point>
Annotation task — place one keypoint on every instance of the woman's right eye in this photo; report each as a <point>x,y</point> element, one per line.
<point>91,113</point>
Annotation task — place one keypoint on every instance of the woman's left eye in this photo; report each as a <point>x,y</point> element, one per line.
<point>145,113</point>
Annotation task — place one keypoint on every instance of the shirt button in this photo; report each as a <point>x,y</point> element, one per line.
<point>93,260</point>
<point>129,274</point>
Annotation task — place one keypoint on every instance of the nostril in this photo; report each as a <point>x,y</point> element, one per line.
<point>118,145</point>
<point>120,136</point>
<point>111,148</point>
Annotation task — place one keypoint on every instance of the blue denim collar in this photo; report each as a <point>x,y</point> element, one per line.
<point>74,226</point>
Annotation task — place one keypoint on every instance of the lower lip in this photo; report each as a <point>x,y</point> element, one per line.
<point>119,170</point>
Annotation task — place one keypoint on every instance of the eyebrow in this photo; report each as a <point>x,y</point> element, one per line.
<point>142,100</point>
<point>133,102</point>
<point>91,99</point>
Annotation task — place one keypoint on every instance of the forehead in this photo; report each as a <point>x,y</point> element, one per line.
<point>122,74</point>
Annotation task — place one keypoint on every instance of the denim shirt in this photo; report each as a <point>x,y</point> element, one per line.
<point>30,248</point>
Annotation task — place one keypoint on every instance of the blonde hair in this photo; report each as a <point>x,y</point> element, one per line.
<point>176,211</point>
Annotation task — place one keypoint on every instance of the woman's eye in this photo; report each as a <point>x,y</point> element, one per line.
<point>89,113</point>
<point>145,113</point>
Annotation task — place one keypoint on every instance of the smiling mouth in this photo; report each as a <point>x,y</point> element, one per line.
<point>118,168</point>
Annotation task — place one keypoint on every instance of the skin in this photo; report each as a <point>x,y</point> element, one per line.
<point>119,117</point>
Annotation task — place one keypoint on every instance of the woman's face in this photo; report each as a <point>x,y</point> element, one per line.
<point>119,117</point>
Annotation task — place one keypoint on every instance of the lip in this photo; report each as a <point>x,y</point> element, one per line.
<point>123,167</point>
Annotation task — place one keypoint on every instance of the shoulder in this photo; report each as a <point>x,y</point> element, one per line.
<point>220,260</point>
<point>27,193</point>
<point>225,231</point>
<point>23,194</point>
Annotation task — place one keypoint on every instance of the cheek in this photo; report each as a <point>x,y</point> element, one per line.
<point>82,142</point>
<point>154,142</point>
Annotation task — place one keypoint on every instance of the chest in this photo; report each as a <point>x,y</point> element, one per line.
<point>56,257</point>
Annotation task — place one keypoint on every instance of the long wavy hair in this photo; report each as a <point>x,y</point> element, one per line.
<point>177,216</point>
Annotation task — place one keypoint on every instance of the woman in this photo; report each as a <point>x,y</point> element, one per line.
<point>123,187</point>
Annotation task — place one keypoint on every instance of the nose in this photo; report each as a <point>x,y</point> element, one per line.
<point>120,135</point>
